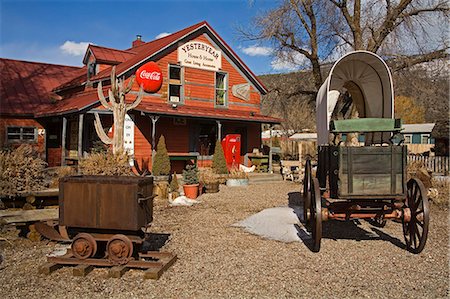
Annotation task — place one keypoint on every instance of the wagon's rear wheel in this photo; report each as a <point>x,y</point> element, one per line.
<point>315,214</point>
<point>119,249</point>
<point>307,183</point>
<point>416,230</point>
<point>84,246</point>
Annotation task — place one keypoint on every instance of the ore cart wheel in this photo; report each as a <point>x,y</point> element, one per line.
<point>416,230</point>
<point>84,246</point>
<point>315,212</point>
<point>307,183</point>
<point>119,249</point>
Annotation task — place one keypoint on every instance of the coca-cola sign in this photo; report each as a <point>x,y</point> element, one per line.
<point>150,77</point>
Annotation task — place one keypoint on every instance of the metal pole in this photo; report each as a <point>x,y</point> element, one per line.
<point>80,136</point>
<point>63,141</point>
<point>219,130</point>
<point>270,152</point>
<point>154,120</point>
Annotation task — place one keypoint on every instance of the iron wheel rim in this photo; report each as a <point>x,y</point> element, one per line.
<point>316,215</point>
<point>415,231</point>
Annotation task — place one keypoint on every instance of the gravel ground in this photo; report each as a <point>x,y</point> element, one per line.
<point>217,260</point>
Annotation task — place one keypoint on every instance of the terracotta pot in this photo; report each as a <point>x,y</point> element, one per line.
<point>191,191</point>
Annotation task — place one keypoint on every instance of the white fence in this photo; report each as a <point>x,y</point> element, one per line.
<point>437,164</point>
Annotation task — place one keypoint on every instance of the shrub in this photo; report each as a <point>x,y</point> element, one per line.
<point>20,171</point>
<point>208,176</point>
<point>190,175</point>
<point>60,173</point>
<point>106,164</point>
<point>237,174</point>
<point>174,183</point>
<point>161,162</point>
<point>440,197</point>
<point>219,164</point>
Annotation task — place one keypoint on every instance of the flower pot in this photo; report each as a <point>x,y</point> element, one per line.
<point>237,182</point>
<point>212,187</point>
<point>161,186</point>
<point>191,191</point>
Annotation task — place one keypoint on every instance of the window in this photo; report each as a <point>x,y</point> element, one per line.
<point>175,84</point>
<point>221,89</point>
<point>22,134</point>
<point>425,139</point>
<point>408,138</point>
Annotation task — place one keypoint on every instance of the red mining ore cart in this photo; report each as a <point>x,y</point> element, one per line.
<point>363,179</point>
<point>107,219</point>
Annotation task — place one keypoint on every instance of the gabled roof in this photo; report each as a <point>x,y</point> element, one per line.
<point>26,85</point>
<point>107,55</point>
<point>417,128</point>
<point>150,50</point>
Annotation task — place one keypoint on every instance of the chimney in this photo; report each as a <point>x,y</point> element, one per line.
<point>138,41</point>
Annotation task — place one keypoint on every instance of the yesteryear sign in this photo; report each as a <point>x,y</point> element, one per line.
<point>200,55</point>
<point>150,77</point>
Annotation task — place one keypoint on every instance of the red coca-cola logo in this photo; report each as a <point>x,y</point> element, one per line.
<point>150,77</point>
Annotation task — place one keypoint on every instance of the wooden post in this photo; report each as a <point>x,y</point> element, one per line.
<point>299,151</point>
<point>154,119</point>
<point>80,136</point>
<point>219,130</point>
<point>63,141</point>
<point>270,150</point>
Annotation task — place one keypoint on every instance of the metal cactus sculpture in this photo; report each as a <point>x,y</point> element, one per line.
<point>117,104</point>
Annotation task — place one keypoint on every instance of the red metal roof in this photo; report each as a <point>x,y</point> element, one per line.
<point>89,99</point>
<point>201,112</point>
<point>24,85</point>
<point>109,55</point>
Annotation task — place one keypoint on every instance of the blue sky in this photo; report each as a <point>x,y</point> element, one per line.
<point>56,31</point>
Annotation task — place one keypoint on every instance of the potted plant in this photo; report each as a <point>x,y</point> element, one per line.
<point>161,169</point>
<point>210,180</point>
<point>237,178</point>
<point>191,183</point>
<point>174,187</point>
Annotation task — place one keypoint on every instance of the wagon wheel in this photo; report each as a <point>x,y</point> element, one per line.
<point>307,183</point>
<point>315,214</point>
<point>84,246</point>
<point>416,230</point>
<point>119,249</point>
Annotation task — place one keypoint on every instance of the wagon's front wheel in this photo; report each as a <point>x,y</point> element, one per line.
<point>416,229</point>
<point>315,212</point>
<point>307,185</point>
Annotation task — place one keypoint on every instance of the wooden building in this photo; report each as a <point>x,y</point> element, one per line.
<point>207,92</point>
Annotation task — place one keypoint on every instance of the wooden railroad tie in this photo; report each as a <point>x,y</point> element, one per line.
<point>153,262</point>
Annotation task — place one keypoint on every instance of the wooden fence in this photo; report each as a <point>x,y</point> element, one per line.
<point>437,164</point>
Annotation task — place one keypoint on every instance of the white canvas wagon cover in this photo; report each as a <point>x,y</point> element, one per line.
<point>367,78</point>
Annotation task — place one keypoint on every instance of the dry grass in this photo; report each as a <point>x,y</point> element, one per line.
<point>442,197</point>
<point>105,164</point>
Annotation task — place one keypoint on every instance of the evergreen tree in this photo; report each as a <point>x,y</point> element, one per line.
<point>174,183</point>
<point>219,164</point>
<point>161,163</point>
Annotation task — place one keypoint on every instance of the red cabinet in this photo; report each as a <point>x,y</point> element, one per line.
<point>232,149</point>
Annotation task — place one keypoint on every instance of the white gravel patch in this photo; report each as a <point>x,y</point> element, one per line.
<point>280,224</point>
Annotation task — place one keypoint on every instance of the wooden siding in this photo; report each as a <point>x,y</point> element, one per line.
<point>6,122</point>
<point>199,85</point>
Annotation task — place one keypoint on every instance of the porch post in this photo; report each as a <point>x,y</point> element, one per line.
<point>270,150</point>
<point>63,141</point>
<point>219,130</point>
<point>154,119</point>
<point>80,136</point>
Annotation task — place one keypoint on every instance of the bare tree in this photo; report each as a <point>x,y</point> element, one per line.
<point>407,32</point>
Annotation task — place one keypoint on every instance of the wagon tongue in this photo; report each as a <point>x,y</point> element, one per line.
<point>49,232</point>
